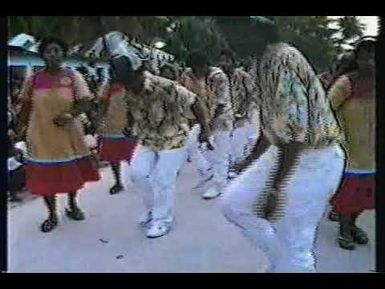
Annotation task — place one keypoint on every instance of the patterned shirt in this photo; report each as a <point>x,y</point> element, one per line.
<point>243,94</point>
<point>293,102</point>
<point>214,90</point>
<point>161,113</point>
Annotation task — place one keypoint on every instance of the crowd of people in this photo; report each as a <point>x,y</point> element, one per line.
<point>269,135</point>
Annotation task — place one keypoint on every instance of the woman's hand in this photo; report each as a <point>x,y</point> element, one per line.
<point>63,120</point>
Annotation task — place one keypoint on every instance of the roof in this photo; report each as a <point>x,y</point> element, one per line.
<point>20,50</point>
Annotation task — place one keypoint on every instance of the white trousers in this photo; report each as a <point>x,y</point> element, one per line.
<point>243,138</point>
<point>220,158</point>
<point>197,153</point>
<point>208,162</point>
<point>289,243</point>
<point>154,174</point>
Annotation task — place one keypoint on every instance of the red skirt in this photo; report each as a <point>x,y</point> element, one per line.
<point>117,149</point>
<point>48,179</point>
<point>357,193</point>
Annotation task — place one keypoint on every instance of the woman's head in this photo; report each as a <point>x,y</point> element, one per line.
<point>53,51</point>
<point>364,54</point>
<point>344,65</point>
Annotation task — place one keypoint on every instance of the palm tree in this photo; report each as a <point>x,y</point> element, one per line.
<point>195,33</point>
<point>350,27</point>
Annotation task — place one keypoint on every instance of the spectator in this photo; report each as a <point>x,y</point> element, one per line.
<point>16,172</point>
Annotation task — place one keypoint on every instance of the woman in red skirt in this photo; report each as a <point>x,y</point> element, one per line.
<point>352,97</point>
<point>58,159</point>
<point>115,146</point>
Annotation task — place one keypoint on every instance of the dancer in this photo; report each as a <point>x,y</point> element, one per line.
<point>159,113</point>
<point>58,159</point>
<point>212,86</point>
<point>353,98</point>
<point>279,200</point>
<point>115,145</point>
<point>244,103</point>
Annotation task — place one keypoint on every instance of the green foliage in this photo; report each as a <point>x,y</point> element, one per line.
<point>196,33</point>
<point>246,36</point>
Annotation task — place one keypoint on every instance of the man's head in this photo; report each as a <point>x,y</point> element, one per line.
<point>121,70</point>
<point>199,63</point>
<point>364,55</point>
<point>53,51</point>
<point>227,61</point>
<point>168,71</point>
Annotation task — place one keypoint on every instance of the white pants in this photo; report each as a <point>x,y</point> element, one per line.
<point>243,138</point>
<point>289,243</point>
<point>220,158</point>
<point>253,132</point>
<point>154,174</point>
<point>208,162</point>
<point>196,153</point>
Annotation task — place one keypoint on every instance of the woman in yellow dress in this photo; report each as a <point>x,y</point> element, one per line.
<point>58,159</point>
<point>353,98</point>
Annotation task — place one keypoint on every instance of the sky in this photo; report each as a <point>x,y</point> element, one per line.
<point>371,23</point>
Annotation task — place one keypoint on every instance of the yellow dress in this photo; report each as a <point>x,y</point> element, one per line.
<point>58,159</point>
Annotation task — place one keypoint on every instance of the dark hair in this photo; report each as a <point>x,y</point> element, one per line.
<point>170,67</point>
<point>198,58</point>
<point>121,67</point>
<point>228,53</point>
<point>366,43</point>
<point>49,40</point>
<point>347,63</point>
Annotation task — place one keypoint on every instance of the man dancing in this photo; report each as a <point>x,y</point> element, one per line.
<point>212,86</point>
<point>279,200</point>
<point>244,103</point>
<point>159,113</point>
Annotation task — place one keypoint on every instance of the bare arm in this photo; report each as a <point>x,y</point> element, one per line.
<point>83,95</point>
<point>287,163</point>
<point>25,111</point>
<point>222,93</point>
<point>259,149</point>
<point>201,114</point>
<point>339,92</point>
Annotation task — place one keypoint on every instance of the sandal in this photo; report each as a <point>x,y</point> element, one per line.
<point>346,243</point>
<point>359,236</point>
<point>116,189</point>
<point>49,224</point>
<point>333,216</point>
<point>75,214</point>
<point>15,199</point>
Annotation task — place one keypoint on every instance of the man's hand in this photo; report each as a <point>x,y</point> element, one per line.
<point>63,120</point>
<point>271,205</point>
<point>205,138</point>
<point>275,191</point>
<point>259,148</point>
<point>201,113</point>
